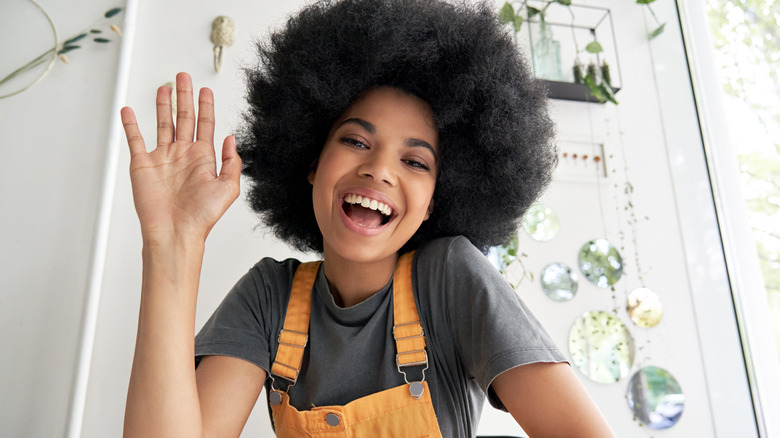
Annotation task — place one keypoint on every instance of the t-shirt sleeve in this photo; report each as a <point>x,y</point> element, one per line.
<point>493,329</point>
<point>241,325</point>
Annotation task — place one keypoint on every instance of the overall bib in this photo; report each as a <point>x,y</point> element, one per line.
<point>405,411</point>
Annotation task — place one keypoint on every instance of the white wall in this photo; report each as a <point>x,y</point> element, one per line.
<point>164,45</point>
<point>53,139</point>
<point>44,263</point>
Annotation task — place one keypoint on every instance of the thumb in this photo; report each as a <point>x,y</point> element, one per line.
<point>231,162</point>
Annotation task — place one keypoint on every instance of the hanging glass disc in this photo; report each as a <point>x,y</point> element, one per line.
<point>559,282</point>
<point>601,263</point>
<point>645,307</point>
<point>502,256</point>
<point>601,347</point>
<point>506,259</point>
<point>655,398</point>
<point>541,222</point>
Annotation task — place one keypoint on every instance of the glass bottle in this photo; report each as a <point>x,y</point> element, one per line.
<point>547,55</point>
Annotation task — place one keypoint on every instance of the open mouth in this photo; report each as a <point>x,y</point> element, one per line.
<point>365,211</point>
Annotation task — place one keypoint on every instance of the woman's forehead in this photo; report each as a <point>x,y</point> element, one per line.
<point>383,102</point>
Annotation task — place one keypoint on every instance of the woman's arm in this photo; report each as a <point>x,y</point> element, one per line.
<point>228,389</point>
<point>547,400</point>
<point>179,196</point>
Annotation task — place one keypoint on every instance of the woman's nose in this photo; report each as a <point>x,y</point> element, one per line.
<point>380,167</point>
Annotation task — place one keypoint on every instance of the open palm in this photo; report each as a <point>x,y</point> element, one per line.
<point>176,188</point>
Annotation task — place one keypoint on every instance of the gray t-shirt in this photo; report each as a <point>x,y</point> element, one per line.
<point>475,326</point>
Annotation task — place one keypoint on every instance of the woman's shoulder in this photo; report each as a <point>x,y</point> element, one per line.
<point>452,261</point>
<point>449,249</point>
<point>270,264</point>
<point>270,273</point>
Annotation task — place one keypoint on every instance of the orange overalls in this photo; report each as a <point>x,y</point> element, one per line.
<point>405,411</point>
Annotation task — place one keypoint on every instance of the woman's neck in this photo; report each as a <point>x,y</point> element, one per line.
<point>352,282</point>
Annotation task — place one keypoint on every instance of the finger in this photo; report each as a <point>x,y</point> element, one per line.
<point>164,116</point>
<point>185,114</point>
<point>231,162</point>
<point>206,116</point>
<point>134,139</point>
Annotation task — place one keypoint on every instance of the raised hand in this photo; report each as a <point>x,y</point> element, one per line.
<point>176,188</point>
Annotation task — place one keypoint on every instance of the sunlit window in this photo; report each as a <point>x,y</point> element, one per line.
<point>746,36</point>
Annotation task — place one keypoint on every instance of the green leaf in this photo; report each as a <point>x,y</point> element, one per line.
<point>595,90</point>
<point>644,2</point>
<point>101,40</point>
<point>656,32</point>
<point>564,2</point>
<point>507,14</point>
<point>608,94</point>
<point>95,31</point>
<point>74,39</point>
<point>518,23</point>
<point>67,49</point>
<point>111,12</point>
<point>594,47</point>
<point>532,12</point>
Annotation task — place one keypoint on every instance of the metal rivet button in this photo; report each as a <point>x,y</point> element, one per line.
<point>416,389</point>
<point>332,420</point>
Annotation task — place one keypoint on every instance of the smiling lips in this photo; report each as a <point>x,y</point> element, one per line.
<point>365,211</point>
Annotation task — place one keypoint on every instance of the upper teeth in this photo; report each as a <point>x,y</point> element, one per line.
<point>373,204</point>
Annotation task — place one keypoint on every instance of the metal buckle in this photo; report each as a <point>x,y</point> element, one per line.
<point>398,363</point>
<point>421,335</point>
<point>408,337</point>
<point>273,383</point>
<point>279,338</point>
<point>294,380</point>
<point>273,398</point>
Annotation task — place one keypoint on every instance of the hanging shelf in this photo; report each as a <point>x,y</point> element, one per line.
<point>557,38</point>
<point>572,91</point>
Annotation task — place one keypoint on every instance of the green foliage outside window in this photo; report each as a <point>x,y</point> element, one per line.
<point>746,38</point>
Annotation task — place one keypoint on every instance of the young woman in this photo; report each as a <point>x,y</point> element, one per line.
<point>397,138</point>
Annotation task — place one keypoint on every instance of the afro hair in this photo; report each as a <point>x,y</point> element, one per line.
<point>495,135</point>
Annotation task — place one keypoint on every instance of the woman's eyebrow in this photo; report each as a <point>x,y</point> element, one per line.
<point>368,126</point>
<point>416,142</point>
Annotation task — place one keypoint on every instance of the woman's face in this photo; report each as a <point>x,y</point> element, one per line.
<point>374,180</point>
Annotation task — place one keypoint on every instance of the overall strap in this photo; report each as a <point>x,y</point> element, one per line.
<point>407,328</point>
<point>295,333</point>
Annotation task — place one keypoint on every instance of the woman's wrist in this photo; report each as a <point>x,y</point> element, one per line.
<point>174,240</point>
<point>177,254</point>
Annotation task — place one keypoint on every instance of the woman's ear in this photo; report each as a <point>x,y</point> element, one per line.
<point>430,210</point>
<point>312,171</point>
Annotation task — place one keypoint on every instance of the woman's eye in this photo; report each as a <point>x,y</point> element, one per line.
<point>417,164</point>
<point>354,142</point>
